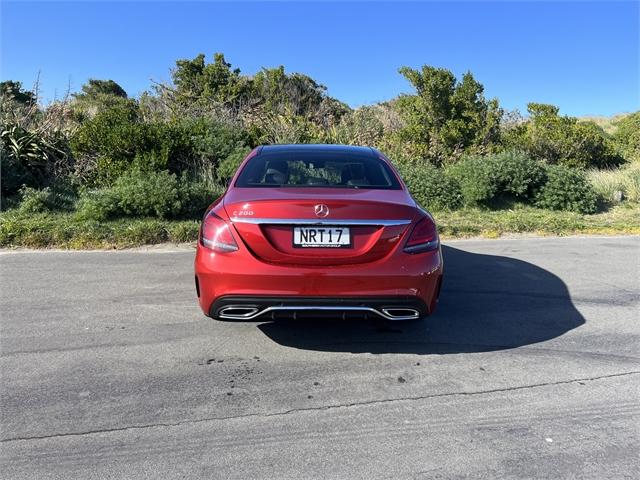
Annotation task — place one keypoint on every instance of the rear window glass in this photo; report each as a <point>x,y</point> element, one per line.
<point>317,169</point>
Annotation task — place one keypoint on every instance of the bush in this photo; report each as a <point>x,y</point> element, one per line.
<point>481,179</point>
<point>430,187</point>
<point>627,136</point>
<point>477,179</point>
<point>98,205</point>
<point>517,173</point>
<point>215,141</point>
<point>148,194</point>
<point>562,140</point>
<point>30,157</point>
<point>447,115</point>
<point>35,201</point>
<point>195,197</point>
<point>566,189</point>
<point>119,139</point>
<point>135,193</point>
<point>110,140</point>
<point>59,196</point>
<point>227,167</point>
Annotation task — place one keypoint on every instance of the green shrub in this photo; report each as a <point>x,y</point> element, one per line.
<point>34,201</point>
<point>195,197</point>
<point>477,178</point>
<point>135,193</point>
<point>482,179</point>
<point>30,157</point>
<point>152,161</point>
<point>215,140</point>
<point>430,187</point>
<point>61,195</point>
<point>517,173</point>
<point>447,116</point>
<point>111,140</point>
<point>566,189</point>
<point>98,205</point>
<point>148,194</point>
<point>119,139</point>
<point>627,136</point>
<point>227,167</point>
<point>561,140</point>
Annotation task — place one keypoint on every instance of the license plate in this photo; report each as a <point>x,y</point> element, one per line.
<point>321,237</point>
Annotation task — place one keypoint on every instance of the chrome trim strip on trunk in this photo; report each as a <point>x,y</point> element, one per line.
<point>295,308</point>
<point>314,221</point>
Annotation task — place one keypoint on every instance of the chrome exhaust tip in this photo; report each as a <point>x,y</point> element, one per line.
<point>238,312</point>
<point>400,313</point>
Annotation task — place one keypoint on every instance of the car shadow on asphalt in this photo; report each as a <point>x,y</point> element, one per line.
<point>487,303</point>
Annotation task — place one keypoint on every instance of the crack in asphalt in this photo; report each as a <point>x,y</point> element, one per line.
<point>320,408</point>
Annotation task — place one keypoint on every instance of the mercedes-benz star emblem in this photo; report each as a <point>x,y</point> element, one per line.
<point>321,210</point>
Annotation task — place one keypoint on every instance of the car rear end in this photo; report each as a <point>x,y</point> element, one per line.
<point>317,230</point>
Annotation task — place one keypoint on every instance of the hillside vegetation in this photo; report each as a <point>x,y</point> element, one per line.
<point>102,169</point>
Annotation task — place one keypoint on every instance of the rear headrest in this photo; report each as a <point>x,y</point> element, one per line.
<point>354,173</point>
<point>275,176</point>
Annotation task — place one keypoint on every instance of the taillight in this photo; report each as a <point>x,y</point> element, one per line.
<point>423,238</point>
<point>216,234</point>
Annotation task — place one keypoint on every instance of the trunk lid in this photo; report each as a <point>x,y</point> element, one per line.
<point>265,218</point>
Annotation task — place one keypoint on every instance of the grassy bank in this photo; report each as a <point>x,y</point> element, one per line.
<point>63,230</point>
<point>622,219</point>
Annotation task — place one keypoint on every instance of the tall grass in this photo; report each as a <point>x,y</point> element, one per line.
<point>613,186</point>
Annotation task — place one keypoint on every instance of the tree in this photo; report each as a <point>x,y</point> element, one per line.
<point>627,135</point>
<point>97,96</point>
<point>95,89</point>
<point>13,90</point>
<point>277,91</point>
<point>197,81</point>
<point>558,139</point>
<point>447,116</point>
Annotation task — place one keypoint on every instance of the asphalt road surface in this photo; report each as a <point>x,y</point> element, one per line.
<point>530,369</point>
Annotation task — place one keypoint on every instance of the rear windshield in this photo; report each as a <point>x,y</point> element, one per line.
<point>317,169</point>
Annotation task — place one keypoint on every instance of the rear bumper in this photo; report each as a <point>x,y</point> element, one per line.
<point>399,280</point>
<point>246,307</point>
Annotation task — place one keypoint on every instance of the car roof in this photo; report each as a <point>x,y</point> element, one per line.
<point>318,149</point>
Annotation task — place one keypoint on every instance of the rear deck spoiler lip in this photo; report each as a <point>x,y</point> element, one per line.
<point>315,221</point>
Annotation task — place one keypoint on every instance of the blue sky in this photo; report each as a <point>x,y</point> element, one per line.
<point>581,56</point>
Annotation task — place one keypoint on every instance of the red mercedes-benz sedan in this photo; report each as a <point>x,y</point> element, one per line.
<point>323,230</point>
